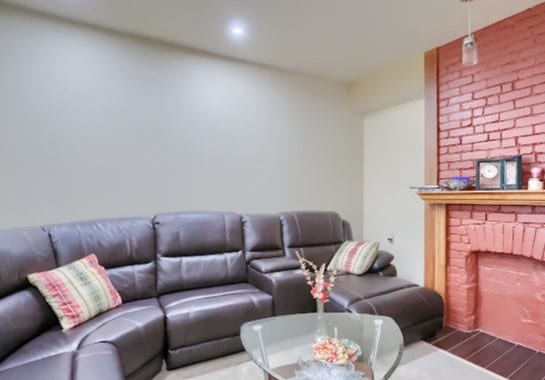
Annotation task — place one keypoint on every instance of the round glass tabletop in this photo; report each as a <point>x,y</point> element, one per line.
<point>282,345</point>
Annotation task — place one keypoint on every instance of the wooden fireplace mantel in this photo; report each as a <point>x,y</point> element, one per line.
<point>510,197</point>
<point>435,230</point>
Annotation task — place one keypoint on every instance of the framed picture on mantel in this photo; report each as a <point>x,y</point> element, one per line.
<point>513,173</point>
<point>499,174</point>
<point>489,175</point>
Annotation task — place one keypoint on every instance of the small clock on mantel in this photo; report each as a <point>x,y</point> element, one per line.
<point>499,174</point>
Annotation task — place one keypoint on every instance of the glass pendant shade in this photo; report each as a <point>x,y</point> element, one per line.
<point>470,54</point>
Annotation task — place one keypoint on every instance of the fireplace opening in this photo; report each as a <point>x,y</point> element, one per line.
<point>511,298</point>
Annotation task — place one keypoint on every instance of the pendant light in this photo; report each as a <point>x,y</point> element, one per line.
<point>470,54</point>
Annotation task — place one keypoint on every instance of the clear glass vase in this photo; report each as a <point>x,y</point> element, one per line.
<point>321,329</point>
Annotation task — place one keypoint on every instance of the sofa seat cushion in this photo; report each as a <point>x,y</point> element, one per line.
<point>135,328</point>
<point>350,289</point>
<point>99,361</point>
<point>201,315</point>
<point>56,367</point>
<point>418,311</point>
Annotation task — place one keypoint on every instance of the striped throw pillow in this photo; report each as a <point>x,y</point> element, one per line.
<point>354,257</point>
<point>77,291</point>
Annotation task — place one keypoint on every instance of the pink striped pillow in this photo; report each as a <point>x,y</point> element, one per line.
<point>77,291</point>
<point>354,257</point>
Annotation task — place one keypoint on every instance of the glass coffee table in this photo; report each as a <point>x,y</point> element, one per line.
<point>280,345</point>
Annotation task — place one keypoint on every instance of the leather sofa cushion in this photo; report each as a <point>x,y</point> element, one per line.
<point>58,367</point>
<point>198,250</point>
<point>98,361</point>
<point>316,235</point>
<point>262,236</point>
<point>350,289</point>
<point>274,264</point>
<point>125,247</point>
<point>136,328</point>
<point>212,313</point>
<point>408,307</point>
<point>23,311</point>
<point>197,233</point>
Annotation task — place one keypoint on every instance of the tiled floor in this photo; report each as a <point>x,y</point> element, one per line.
<point>504,358</point>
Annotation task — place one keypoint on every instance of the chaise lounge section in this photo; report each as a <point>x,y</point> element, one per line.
<point>187,281</point>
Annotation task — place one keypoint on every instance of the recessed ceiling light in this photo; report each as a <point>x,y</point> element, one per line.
<point>238,30</point>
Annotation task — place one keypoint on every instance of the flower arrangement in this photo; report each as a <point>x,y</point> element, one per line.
<point>320,286</point>
<point>335,351</point>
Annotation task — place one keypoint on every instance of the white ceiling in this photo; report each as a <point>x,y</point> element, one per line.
<point>337,39</point>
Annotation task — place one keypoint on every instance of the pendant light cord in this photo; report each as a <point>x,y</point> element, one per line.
<point>468,17</point>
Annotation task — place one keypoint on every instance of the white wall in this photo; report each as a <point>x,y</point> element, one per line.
<point>95,124</point>
<point>392,85</point>
<point>394,161</point>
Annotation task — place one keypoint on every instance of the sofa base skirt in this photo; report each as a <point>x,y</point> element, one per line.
<point>422,330</point>
<point>183,356</point>
<point>148,370</point>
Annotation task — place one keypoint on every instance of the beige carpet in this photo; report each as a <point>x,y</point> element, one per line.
<point>421,361</point>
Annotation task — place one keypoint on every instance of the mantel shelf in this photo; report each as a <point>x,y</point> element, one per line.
<point>478,197</point>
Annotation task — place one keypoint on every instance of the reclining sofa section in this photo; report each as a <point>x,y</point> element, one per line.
<point>187,281</point>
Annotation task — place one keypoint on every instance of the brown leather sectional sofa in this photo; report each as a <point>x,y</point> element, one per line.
<point>187,281</point>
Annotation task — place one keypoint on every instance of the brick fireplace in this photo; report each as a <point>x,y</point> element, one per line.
<point>486,253</point>
<point>496,271</point>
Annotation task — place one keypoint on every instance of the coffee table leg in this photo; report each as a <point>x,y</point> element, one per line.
<point>374,350</point>
<point>264,358</point>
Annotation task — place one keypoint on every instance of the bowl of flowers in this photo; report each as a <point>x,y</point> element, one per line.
<point>331,359</point>
<point>335,351</point>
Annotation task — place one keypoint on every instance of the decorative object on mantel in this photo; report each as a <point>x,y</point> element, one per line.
<point>427,188</point>
<point>535,183</point>
<point>512,168</point>
<point>499,174</point>
<point>458,183</point>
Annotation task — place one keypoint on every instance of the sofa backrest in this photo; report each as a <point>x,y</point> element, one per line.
<point>198,249</point>
<point>125,247</point>
<point>262,236</point>
<point>23,312</point>
<point>316,235</point>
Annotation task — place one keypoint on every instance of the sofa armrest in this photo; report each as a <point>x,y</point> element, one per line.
<point>382,261</point>
<point>389,271</point>
<point>274,264</point>
<point>289,289</point>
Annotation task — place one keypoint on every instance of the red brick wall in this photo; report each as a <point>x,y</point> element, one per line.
<point>497,107</point>
<point>491,110</point>
<point>488,290</point>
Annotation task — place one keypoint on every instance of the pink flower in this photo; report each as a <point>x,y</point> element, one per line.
<point>319,286</point>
